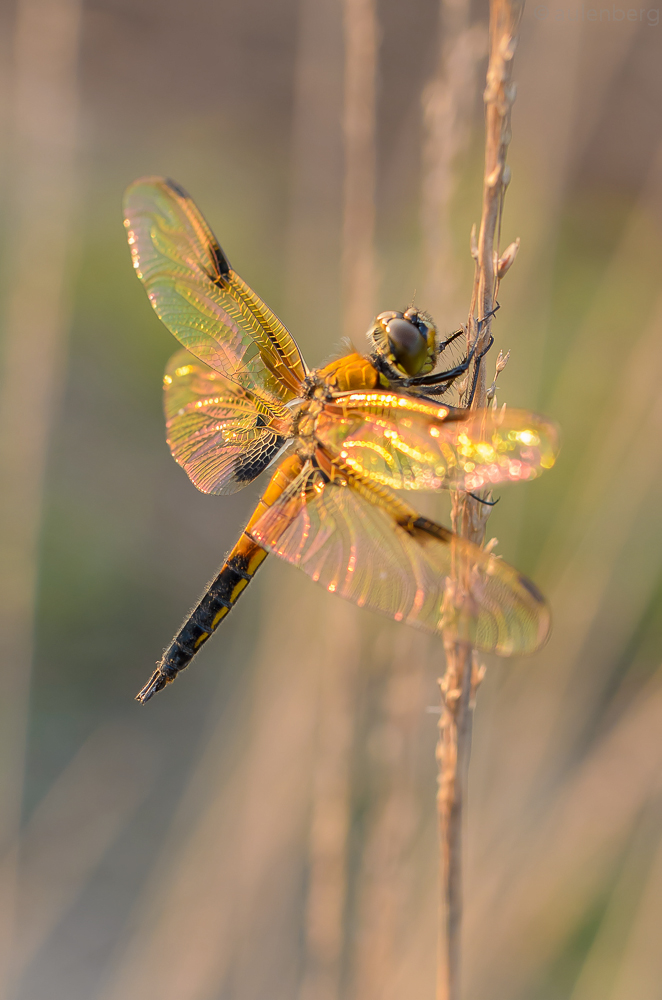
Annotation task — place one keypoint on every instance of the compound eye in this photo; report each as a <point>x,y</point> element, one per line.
<point>414,317</point>
<point>408,344</point>
<point>384,317</point>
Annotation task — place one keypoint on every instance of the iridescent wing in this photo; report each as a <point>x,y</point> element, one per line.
<point>221,434</point>
<point>202,301</point>
<point>357,549</point>
<point>405,442</point>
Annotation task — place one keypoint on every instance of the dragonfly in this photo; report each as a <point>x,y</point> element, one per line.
<point>240,399</point>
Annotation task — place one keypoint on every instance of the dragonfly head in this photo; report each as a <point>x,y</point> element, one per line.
<point>408,340</point>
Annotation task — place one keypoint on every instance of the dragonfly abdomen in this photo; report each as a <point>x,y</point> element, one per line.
<point>217,602</point>
<point>223,592</point>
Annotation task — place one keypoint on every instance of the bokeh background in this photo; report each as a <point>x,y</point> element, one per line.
<point>265,828</point>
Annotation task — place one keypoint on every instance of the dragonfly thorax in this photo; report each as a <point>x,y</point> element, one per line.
<point>305,421</point>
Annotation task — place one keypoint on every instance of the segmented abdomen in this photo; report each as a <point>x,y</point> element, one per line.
<point>222,593</point>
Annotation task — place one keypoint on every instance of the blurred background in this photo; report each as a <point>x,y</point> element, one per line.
<point>265,829</point>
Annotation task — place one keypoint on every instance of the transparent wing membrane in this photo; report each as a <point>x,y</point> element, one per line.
<point>221,434</point>
<point>202,301</point>
<point>357,549</point>
<point>406,442</point>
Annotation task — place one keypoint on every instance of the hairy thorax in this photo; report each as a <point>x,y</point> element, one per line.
<point>347,374</point>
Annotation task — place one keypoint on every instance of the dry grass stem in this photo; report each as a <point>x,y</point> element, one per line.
<point>312,278</point>
<point>463,671</point>
<point>385,882</point>
<point>331,811</point>
<point>358,257</point>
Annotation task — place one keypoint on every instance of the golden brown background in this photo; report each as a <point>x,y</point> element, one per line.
<point>265,828</point>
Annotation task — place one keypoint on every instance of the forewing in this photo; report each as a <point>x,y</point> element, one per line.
<point>202,301</point>
<point>355,548</point>
<point>406,442</point>
<point>221,434</point>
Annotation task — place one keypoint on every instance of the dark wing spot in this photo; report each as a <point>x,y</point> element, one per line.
<point>221,261</point>
<point>432,528</point>
<point>532,589</point>
<point>219,258</point>
<point>177,188</point>
<point>257,459</point>
<point>260,421</point>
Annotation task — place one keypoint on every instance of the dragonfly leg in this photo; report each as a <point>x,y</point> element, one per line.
<point>488,503</point>
<point>477,361</point>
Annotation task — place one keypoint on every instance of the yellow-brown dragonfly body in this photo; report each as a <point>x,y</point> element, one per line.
<point>240,398</point>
